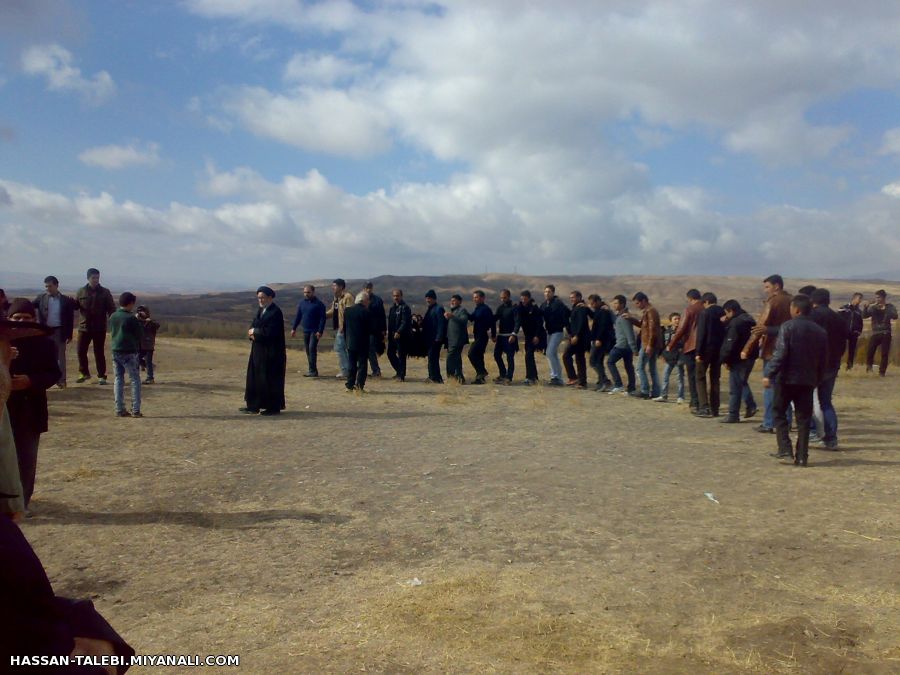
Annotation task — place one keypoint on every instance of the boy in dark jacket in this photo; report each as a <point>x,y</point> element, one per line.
<point>672,358</point>
<point>579,342</point>
<point>126,333</point>
<point>531,319</point>
<point>710,335</point>
<point>148,341</point>
<point>603,337</point>
<point>737,332</point>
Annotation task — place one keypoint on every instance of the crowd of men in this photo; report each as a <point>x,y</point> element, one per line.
<point>800,339</point>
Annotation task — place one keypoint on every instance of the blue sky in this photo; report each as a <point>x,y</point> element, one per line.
<point>228,142</point>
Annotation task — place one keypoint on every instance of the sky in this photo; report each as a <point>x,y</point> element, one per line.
<point>228,143</point>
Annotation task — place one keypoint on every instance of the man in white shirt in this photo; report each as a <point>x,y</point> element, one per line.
<point>57,311</point>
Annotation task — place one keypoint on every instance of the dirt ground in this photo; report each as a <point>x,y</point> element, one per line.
<point>423,528</point>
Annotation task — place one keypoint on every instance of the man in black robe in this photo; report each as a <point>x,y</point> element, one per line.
<point>268,358</point>
<point>359,326</point>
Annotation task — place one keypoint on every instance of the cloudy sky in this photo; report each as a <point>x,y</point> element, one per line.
<point>238,141</point>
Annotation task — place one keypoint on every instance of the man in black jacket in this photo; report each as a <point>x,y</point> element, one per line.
<point>531,320</point>
<point>603,337</point>
<point>359,325</point>
<point>882,313</point>
<point>506,340</point>
<point>795,370</point>
<point>853,316</point>
<point>836,328</point>
<point>434,333</point>
<point>483,327</point>
<point>556,318</point>
<point>710,335</point>
<point>379,328</point>
<point>737,332</point>
<point>57,311</point>
<point>399,328</point>
<point>579,342</point>
<point>33,371</point>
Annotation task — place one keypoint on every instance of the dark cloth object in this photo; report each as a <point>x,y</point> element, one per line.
<point>434,361</point>
<point>579,328</point>
<point>418,345</point>
<point>483,321</point>
<point>434,324</point>
<point>36,622</point>
<point>27,442</point>
<point>376,309</point>
<point>802,398</point>
<point>709,376</point>
<point>148,336</point>
<point>376,349</point>
<point>458,328</point>
<point>126,331</point>
<point>310,316</point>
<point>800,353</point>
<point>578,370</point>
<point>397,354</point>
<point>881,317</point>
<point>268,361</point>
<point>602,327</point>
<point>689,361</point>
<point>837,331</point>
<point>596,359</point>
<point>853,317</point>
<point>94,306</point>
<point>876,340</point>
<point>359,358</point>
<point>738,378</point>
<point>311,346</point>
<point>21,306</point>
<point>531,371</point>
<point>476,354</point>
<point>66,312</point>
<point>670,356</point>
<point>507,317</point>
<point>454,362</point>
<point>37,359</point>
<point>851,349</point>
<point>710,333</point>
<point>86,338</point>
<point>504,349</point>
<point>399,321</point>
<point>431,294</point>
<point>266,290</point>
<point>531,321</point>
<point>556,315</point>
<point>617,354</point>
<point>737,333</point>
<point>359,326</point>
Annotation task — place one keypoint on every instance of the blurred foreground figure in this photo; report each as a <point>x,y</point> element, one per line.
<point>264,393</point>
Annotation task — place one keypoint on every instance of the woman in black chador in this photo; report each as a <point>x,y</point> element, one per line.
<point>268,358</point>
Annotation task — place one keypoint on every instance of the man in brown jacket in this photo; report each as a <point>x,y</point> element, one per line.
<point>763,336</point>
<point>687,333</point>
<point>342,300</point>
<point>651,346</point>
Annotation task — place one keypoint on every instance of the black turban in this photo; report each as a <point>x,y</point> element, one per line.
<point>265,289</point>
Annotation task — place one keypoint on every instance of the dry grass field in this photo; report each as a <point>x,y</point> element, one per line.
<point>420,528</point>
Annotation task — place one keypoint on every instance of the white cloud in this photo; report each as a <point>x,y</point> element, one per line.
<point>54,63</point>
<point>890,143</point>
<point>322,69</point>
<point>121,156</point>
<point>892,190</point>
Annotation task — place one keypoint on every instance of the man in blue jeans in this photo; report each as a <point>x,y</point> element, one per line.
<point>650,347</point>
<point>125,333</point>
<point>625,347</point>
<point>738,325</point>
<point>556,318</point>
<point>311,317</point>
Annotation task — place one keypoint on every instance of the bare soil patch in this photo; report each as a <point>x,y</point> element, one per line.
<point>551,530</point>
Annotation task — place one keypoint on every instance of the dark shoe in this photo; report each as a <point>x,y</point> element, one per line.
<point>781,455</point>
<point>829,445</point>
<point>249,411</point>
<point>397,377</point>
<point>478,380</point>
<point>136,414</point>
<point>268,412</point>
<point>123,413</point>
<point>311,373</point>
<point>149,380</point>
<point>555,382</point>
<point>730,419</point>
<point>82,378</point>
<point>378,374</point>
<point>702,412</point>
<point>499,379</point>
<point>640,395</point>
<point>750,412</point>
<point>765,430</point>
<point>528,382</point>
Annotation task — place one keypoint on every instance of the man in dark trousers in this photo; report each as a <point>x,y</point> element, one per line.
<point>882,313</point>
<point>531,320</point>
<point>579,342</point>
<point>57,311</point>
<point>379,328</point>
<point>311,318</point>
<point>264,392</point>
<point>794,371</point>
<point>33,371</point>
<point>359,325</point>
<point>685,337</point>
<point>506,340</point>
<point>483,328</point>
<point>710,336</point>
<point>399,329</point>
<point>603,337</point>
<point>95,303</point>
<point>853,316</point>
<point>737,331</point>
<point>457,337</point>
<point>434,334</point>
<point>836,328</point>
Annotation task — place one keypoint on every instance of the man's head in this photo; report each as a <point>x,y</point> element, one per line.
<point>709,299</point>
<point>807,290</point>
<point>773,284</point>
<point>693,295</point>
<point>505,295</point>
<point>820,297</point>
<point>732,308</point>
<point>478,297</point>
<point>142,312</point>
<point>880,297</point>
<point>455,300</point>
<point>525,297</point>
<point>369,288</point>
<point>309,292</point>
<point>675,319</point>
<point>21,309</point>
<point>362,298</point>
<point>93,277</point>
<point>127,300</point>
<point>619,303</point>
<point>397,296</point>
<point>801,305</point>
<point>549,291</point>
<point>856,299</point>
<point>338,286</point>
<point>595,301</point>
<point>265,296</point>
<point>575,297</point>
<point>431,298</point>
<point>641,300</point>
<point>51,283</point>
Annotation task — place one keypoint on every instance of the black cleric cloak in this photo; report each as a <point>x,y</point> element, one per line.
<point>268,361</point>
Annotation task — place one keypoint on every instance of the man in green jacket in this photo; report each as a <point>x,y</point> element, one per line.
<point>95,304</point>
<point>457,337</point>
<point>126,332</point>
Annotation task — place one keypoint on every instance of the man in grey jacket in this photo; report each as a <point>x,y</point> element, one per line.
<point>457,337</point>
<point>625,347</point>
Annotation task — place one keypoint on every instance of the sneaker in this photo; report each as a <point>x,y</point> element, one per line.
<point>661,399</point>
<point>311,373</point>
<point>616,390</point>
<point>249,411</point>
<point>555,382</point>
<point>82,378</point>
<point>102,380</point>
<point>123,413</point>
<point>499,380</point>
<point>528,382</point>
<point>136,414</point>
<point>638,394</point>
<point>680,401</point>
<point>378,374</point>
<point>341,376</point>
<point>269,412</point>
<point>149,380</point>
<point>729,419</point>
<point>765,430</point>
<point>750,412</point>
